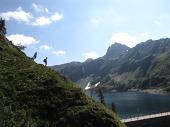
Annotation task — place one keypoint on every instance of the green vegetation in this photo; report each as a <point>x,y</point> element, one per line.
<point>33,95</point>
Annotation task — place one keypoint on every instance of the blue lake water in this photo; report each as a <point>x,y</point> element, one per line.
<point>129,104</point>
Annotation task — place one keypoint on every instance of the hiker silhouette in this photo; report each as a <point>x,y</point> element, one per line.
<point>35,56</point>
<point>45,61</point>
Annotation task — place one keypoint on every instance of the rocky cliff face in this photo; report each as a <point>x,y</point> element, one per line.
<point>144,66</point>
<point>115,51</point>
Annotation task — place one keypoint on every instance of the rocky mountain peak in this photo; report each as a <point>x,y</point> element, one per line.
<point>115,50</point>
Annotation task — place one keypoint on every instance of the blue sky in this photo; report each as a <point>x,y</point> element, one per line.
<point>74,30</point>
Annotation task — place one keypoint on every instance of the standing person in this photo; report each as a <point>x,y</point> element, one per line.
<point>45,61</point>
<point>35,56</point>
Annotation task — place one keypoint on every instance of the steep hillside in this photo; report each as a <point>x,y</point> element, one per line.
<point>33,95</point>
<point>145,66</point>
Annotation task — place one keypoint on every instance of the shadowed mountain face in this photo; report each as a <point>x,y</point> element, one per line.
<point>145,66</point>
<point>115,51</point>
<point>76,70</point>
<point>33,95</point>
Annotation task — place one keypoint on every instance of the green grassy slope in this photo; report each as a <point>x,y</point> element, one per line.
<point>32,95</point>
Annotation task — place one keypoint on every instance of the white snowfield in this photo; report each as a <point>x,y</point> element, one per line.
<point>145,117</point>
<point>88,87</point>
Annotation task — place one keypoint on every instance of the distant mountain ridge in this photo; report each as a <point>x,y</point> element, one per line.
<point>147,65</point>
<point>78,70</point>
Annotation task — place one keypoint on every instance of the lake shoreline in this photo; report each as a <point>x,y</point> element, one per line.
<point>158,91</point>
<point>136,102</point>
<point>155,91</point>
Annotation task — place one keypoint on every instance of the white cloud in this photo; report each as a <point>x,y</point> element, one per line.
<point>59,53</point>
<point>19,15</point>
<point>163,19</point>
<point>108,17</point>
<point>41,21</point>
<point>130,40</point>
<point>22,16</point>
<point>45,47</point>
<point>157,22</point>
<point>124,38</point>
<point>91,54</point>
<point>18,39</point>
<point>56,17</point>
<point>144,34</point>
<point>39,8</point>
<point>46,10</point>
